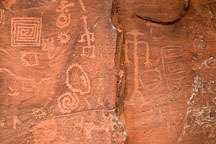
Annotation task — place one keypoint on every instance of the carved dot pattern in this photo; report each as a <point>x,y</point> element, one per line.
<point>68,102</point>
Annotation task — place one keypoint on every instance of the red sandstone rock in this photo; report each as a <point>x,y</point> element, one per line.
<point>66,77</point>
<point>164,51</point>
<point>57,73</point>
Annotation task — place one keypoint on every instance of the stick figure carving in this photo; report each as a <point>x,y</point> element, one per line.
<point>135,33</point>
<point>87,37</point>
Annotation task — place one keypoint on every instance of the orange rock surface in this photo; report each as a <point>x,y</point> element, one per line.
<point>107,72</point>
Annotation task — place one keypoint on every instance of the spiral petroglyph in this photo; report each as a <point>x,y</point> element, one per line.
<point>68,102</point>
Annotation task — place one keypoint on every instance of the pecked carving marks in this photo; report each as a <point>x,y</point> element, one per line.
<point>26,31</point>
<point>135,33</point>
<point>2,17</point>
<point>89,38</point>
<point>77,79</point>
<point>171,60</point>
<point>68,102</point>
<point>29,59</point>
<point>64,19</point>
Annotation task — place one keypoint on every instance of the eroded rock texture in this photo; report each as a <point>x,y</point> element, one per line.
<point>71,75</point>
<point>57,73</point>
<point>166,63</point>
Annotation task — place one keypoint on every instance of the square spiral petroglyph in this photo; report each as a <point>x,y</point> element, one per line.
<point>2,17</point>
<point>26,31</point>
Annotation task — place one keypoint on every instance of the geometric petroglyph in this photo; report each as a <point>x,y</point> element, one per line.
<point>89,38</point>
<point>26,31</point>
<point>77,79</point>
<point>172,60</point>
<point>48,43</point>
<point>63,19</point>
<point>38,113</point>
<point>2,17</point>
<point>63,37</point>
<point>151,79</point>
<point>68,102</point>
<point>29,59</point>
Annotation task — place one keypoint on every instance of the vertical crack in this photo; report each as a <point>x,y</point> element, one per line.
<point>120,69</point>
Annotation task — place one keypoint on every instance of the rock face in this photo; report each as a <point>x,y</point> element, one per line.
<point>57,73</point>
<point>166,50</point>
<point>107,72</point>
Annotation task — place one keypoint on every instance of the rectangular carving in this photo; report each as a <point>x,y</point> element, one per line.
<point>26,31</point>
<point>172,60</point>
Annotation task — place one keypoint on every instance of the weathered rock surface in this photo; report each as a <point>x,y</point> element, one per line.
<point>107,72</point>
<point>57,73</point>
<point>166,53</point>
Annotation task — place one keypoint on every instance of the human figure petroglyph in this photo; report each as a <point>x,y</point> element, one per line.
<point>26,32</point>
<point>82,5</point>
<point>77,79</point>
<point>135,41</point>
<point>48,43</point>
<point>64,17</point>
<point>29,59</point>
<point>137,94</point>
<point>89,38</point>
<point>2,17</point>
<point>16,121</point>
<point>68,102</point>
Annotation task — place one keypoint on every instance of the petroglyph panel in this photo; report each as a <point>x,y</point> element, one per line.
<point>2,17</point>
<point>26,31</point>
<point>48,79</point>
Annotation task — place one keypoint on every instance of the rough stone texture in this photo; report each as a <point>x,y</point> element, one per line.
<point>71,74</point>
<point>57,73</point>
<point>166,59</point>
